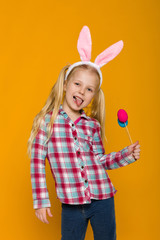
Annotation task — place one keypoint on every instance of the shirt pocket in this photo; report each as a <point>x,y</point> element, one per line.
<point>86,142</point>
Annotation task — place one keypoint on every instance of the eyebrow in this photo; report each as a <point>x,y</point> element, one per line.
<point>88,85</point>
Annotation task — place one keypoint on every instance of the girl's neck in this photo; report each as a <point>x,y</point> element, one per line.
<point>72,114</point>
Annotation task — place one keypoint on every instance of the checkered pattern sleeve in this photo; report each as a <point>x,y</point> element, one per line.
<point>37,169</point>
<point>114,159</point>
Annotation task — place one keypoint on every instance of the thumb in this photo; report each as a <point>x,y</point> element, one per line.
<point>134,144</point>
<point>49,212</point>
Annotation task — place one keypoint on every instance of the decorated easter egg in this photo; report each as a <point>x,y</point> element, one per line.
<point>122,115</point>
<point>122,124</point>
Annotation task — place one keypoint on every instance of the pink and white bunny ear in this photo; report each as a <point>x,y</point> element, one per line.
<point>84,44</point>
<point>109,53</point>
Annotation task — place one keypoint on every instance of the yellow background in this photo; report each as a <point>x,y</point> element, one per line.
<point>37,38</point>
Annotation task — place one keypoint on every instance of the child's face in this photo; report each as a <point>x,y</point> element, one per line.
<point>82,84</point>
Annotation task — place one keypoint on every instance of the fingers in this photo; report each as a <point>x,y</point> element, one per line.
<point>49,212</point>
<point>137,146</point>
<point>136,155</point>
<point>136,151</point>
<point>41,215</point>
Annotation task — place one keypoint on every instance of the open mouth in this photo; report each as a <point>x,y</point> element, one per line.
<point>78,100</point>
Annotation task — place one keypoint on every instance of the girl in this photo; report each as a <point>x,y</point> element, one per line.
<point>72,141</point>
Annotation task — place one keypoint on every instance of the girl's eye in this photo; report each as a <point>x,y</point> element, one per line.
<point>90,89</point>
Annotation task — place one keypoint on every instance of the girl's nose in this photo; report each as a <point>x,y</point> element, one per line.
<point>82,90</point>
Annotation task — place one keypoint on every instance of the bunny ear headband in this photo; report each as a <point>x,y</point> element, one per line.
<point>84,46</point>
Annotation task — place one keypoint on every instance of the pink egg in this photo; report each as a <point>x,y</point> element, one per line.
<point>122,115</point>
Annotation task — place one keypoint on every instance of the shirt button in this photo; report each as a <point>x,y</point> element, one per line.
<point>72,124</point>
<point>82,167</point>
<point>86,181</point>
<point>78,152</point>
<point>75,138</point>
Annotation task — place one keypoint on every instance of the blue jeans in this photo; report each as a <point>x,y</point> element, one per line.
<point>101,213</point>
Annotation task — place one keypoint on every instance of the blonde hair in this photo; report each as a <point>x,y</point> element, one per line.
<point>96,109</point>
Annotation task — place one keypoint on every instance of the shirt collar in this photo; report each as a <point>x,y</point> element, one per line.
<point>83,114</point>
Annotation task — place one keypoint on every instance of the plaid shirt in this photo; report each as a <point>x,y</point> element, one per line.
<point>77,160</point>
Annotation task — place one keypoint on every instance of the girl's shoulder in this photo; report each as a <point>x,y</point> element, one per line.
<point>47,117</point>
<point>94,122</point>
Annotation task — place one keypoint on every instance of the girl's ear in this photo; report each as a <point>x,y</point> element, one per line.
<point>65,85</point>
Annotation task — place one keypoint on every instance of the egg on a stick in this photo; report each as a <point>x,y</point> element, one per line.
<point>123,121</point>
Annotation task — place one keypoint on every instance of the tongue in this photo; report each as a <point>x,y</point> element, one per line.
<point>78,101</point>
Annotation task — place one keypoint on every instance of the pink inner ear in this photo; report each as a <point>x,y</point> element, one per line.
<point>84,44</point>
<point>109,53</point>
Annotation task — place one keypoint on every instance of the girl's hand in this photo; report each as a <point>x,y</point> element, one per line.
<point>41,214</point>
<point>135,149</point>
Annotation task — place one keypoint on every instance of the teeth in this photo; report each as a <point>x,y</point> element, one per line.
<point>78,98</point>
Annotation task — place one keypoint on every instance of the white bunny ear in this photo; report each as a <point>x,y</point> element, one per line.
<point>109,53</point>
<point>84,44</point>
